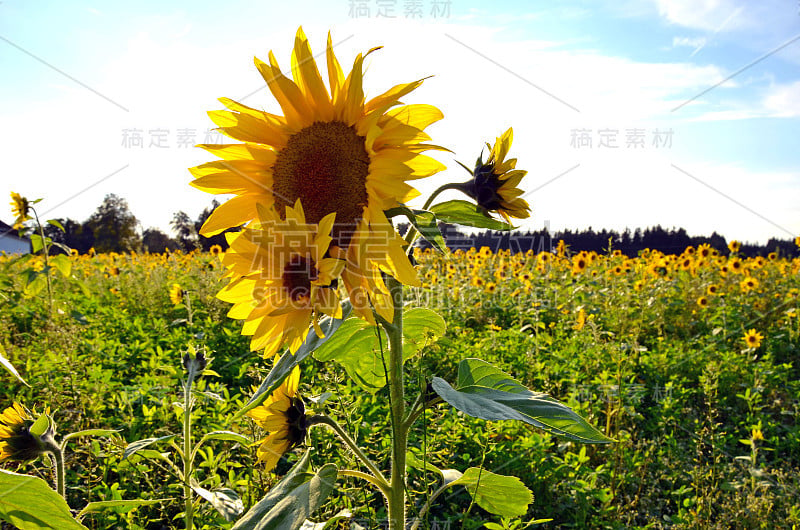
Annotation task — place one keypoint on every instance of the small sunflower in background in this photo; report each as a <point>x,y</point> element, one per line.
<point>281,280</point>
<point>176,294</point>
<point>494,182</point>
<point>283,416</point>
<point>734,246</point>
<point>20,209</point>
<point>215,250</point>
<point>753,339</point>
<point>16,441</point>
<point>748,284</point>
<point>702,302</point>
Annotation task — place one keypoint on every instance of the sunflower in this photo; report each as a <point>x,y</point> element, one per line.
<point>712,289</point>
<point>494,183</point>
<point>734,246</point>
<point>280,278</point>
<point>20,209</point>
<point>748,284</point>
<point>702,302</point>
<point>336,153</point>
<point>16,441</point>
<point>753,339</point>
<point>176,294</point>
<point>215,250</point>
<point>579,263</point>
<point>283,416</point>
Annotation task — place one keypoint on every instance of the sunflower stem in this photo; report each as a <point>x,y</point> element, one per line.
<point>46,252</point>
<point>412,231</point>
<point>397,498</point>
<point>54,449</point>
<point>379,479</point>
<point>187,445</point>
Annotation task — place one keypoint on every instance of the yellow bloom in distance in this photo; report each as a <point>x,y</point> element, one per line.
<point>280,278</point>
<point>753,338</point>
<point>336,153</point>
<point>176,294</point>
<point>20,209</point>
<point>283,416</point>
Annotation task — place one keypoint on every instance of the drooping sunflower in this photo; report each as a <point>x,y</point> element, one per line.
<point>283,416</point>
<point>281,278</point>
<point>176,294</point>
<point>16,441</point>
<point>20,209</point>
<point>336,153</point>
<point>494,182</point>
<point>753,338</point>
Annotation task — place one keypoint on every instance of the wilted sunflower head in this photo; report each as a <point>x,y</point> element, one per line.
<point>17,443</point>
<point>283,416</point>
<point>336,153</point>
<point>20,209</point>
<point>494,182</point>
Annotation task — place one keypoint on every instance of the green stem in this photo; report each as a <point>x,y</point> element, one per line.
<point>383,486</point>
<point>413,232</point>
<point>46,252</point>
<point>58,456</point>
<point>187,445</point>
<point>338,429</point>
<point>397,499</point>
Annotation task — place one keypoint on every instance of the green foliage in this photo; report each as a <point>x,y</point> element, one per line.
<point>467,214</point>
<point>30,504</point>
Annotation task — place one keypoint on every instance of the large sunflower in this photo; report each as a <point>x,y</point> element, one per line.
<point>283,416</point>
<point>494,182</point>
<point>280,277</point>
<point>336,153</point>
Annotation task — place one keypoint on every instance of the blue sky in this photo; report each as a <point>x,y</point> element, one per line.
<point>619,70</point>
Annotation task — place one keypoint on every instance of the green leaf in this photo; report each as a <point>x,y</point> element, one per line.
<point>63,264</point>
<point>497,494</point>
<point>224,500</point>
<point>292,500</point>
<point>485,392</point>
<point>467,214</point>
<point>229,436</point>
<point>40,426</point>
<point>29,503</point>
<point>36,243</point>
<point>90,432</point>
<point>37,282</point>
<point>289,360</point>
<point>357,348</point>
<point>421,327</point>
<point>10,367</point>
<point>426,224</point>
<point>119,506</point>
<point>56,223</point>
<point>138,445</point>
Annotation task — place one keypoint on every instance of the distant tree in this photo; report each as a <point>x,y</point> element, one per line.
<point>113,226</point>
<point>185,233</point>
<point>155,241</point>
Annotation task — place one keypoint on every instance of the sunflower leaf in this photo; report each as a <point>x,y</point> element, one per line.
<point>498,494</point>
<point>28,503</point>
<point>289,360</point>
<point>426,224</point>
<point>485,392</point>
<point>292,500</point>
<point>467,214</point>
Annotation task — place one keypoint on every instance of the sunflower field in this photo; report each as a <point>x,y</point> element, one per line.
<point>688,361</point>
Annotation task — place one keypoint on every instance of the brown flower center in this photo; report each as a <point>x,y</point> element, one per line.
<point>324,165</point>
<point>297,277</point>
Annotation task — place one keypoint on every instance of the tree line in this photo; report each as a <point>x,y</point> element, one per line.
<point>114,228</point>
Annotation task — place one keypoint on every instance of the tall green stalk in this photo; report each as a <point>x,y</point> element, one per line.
<point>397,497</point>
<point>187,444</point>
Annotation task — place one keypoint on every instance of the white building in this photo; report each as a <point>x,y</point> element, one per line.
<point>11,243</point>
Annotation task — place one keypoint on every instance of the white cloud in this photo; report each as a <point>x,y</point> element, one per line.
<point>691,42</point>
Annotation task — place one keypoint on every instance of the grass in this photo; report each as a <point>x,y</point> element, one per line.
<point>706,426</point>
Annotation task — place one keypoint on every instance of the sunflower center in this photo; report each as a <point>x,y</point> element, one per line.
<point>297,277</point>
<point>324,165</point>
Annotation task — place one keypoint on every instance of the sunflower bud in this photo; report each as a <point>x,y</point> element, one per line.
<point>22,438</point>
<point>196,358</point>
